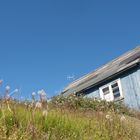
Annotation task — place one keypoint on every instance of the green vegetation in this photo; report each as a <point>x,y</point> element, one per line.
<point>68,118</point>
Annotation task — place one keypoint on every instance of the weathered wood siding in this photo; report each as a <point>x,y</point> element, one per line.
<point>93,94</point>
<point>130,82</point>
<point>131,89</point>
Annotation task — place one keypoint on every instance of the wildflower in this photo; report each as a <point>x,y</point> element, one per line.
<point>107,117</point>
<point>38,105</point>
<point>30,105</point>
<point>7,88</point>
<point>45,113</point>
<point>33,94</point>
<point>42,94</point>
<point>122,118</point>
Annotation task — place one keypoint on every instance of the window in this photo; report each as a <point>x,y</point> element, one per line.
<point>115,90</point>
<point>111,91</point>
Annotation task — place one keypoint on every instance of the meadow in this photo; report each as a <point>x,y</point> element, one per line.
<point>67,118</point>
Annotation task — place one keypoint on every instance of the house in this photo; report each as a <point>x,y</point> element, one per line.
<point>118,80</point>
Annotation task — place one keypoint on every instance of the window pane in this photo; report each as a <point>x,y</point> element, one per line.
<point>106,90</point>
<point>115,90</point>
<point>117,94</point>
<point>114,85</point>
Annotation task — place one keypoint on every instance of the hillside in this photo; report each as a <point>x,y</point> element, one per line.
<point>67,119</point>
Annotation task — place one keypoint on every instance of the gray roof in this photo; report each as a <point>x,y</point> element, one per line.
<point>112,68</point>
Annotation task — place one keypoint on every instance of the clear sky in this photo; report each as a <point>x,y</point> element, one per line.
<point>44,41</point>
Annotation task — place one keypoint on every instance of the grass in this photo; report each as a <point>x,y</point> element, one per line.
<point>67,119</point>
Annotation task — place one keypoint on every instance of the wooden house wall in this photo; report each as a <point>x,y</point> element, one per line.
<point>131,89</point>
<point>130,82</point>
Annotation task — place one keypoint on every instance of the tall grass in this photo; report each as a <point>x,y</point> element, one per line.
<point>67,119</point>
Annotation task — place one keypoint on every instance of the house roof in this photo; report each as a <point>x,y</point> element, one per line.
<point>112,68</point>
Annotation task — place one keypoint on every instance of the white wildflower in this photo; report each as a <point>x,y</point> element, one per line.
<point>42,93</point>
<point>30,105</point>
<point>38,105</point>
<point>122,118</point>
<point>108,117</point>
<point>7,88</point>
<point>39,92</point>
<point>33,93</point>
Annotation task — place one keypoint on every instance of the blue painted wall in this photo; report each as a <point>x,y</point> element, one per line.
<point>130,82</point>
<point>93,94</point>
<point>131,89</point>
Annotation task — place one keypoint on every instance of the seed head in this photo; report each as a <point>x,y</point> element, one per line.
<point>38,105</point>
<point>108,117</point>
<point>7,88</point>
<point>122,119</point>
<point>33,94</point>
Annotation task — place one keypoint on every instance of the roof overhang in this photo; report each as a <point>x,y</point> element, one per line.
<point>111,69</point>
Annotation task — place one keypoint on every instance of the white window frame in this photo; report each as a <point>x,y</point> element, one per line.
<point>111,98</point>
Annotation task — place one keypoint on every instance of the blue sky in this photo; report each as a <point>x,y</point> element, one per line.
<point>42,42</point>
